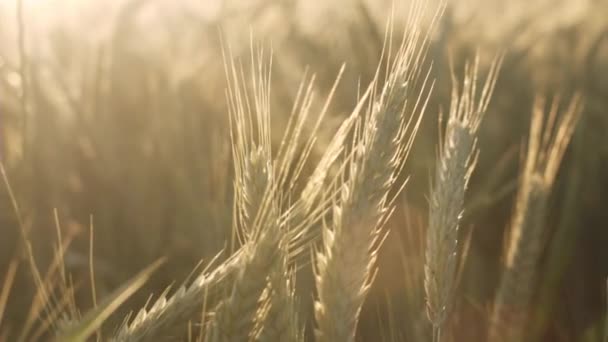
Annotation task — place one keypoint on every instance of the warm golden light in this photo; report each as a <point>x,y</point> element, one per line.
<point>358,170</point>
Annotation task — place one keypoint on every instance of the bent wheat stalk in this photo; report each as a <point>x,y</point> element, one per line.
<point>259,222</point>
<point>346,259</point>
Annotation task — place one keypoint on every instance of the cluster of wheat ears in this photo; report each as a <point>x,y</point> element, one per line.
<point>332,219</point>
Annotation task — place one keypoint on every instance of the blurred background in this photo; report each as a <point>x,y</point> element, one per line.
<point>113,115</point>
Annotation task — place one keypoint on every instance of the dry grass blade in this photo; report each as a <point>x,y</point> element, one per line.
<point>455,164</point>
<point>41,300</point>
<point>80,331</point>
<point>7,284</point>
<point>546,146</point>
<point>345,262</point>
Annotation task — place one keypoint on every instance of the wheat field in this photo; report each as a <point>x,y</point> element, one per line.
<point>300,170</point>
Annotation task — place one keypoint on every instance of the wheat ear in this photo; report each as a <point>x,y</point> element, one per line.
<point>345,262</point>
<point>546,146</point>
<point>455,164</point>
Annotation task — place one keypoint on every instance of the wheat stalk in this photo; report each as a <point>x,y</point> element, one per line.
<point>456,162</point>
<point>345,262</point>
<point>261,303</point>
<point>546,147</point>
